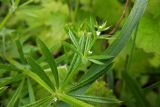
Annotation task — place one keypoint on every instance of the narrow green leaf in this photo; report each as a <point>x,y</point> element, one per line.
<point>91,76</point>
<point>87,44</point>
<point>73,39</point>
<point>104,57</point>
<point>40,102</point>
<point>16,95</point>
<point>73,101</point>
<point>30,91</point>
<point>36,68</point>
<point>135,89</point>
<point>51,61</point>
<point>96,61</point>
<point>20,50</point>
<point>94,99</point>
<point>82,44</point>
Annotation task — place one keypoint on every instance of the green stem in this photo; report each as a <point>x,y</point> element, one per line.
<point>3,23</point>
<point>73,101</point>
<point>10,13</point>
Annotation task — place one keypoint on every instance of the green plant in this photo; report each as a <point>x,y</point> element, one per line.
<point>61,90</point>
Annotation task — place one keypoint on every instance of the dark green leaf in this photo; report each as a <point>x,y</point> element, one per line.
<point>51,61</point>
<point>16,95</point>
<point>20,50</point>
<point>36,68</point>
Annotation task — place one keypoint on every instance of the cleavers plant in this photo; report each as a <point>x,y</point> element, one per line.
<point>62,91</point>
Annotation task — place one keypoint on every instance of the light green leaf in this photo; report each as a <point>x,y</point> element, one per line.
<point>73,101</point>
<point>96,61</point>
<point>148,32</point>
<point>104,57</point>
<point>73,39</point>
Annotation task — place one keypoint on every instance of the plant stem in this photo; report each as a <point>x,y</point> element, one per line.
<point>73,101</point>
<point>10,13</point>
<point>120,19</point>
<point>3,23</point>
